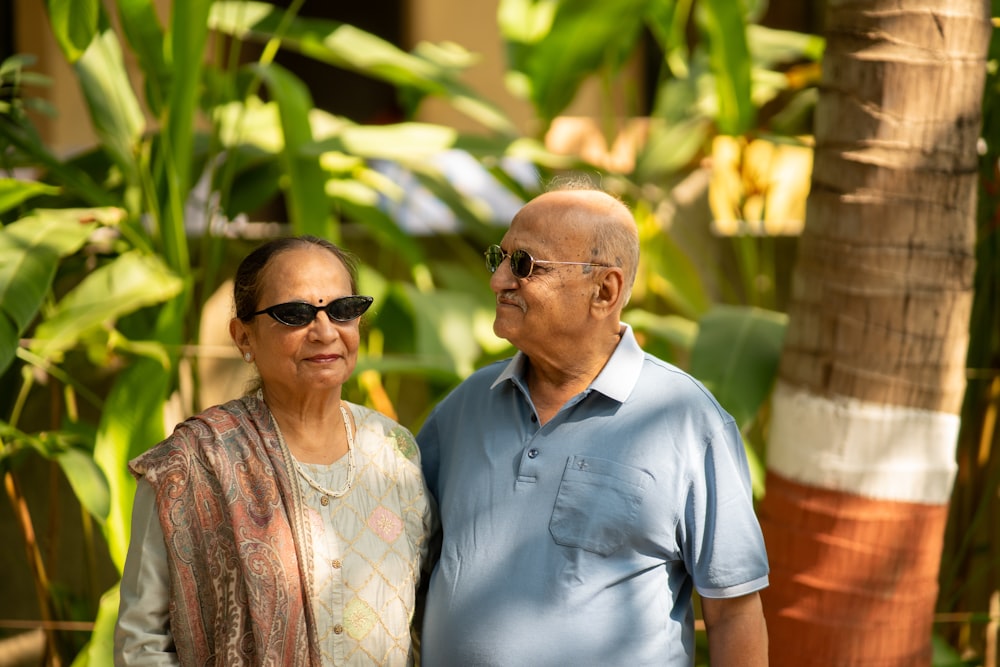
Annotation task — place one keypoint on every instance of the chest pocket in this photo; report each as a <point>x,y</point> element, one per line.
<point>596,504</point>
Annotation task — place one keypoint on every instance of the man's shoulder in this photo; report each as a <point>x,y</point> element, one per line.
<point>482,378</point>
<point>669,381</point>
<point>475,390</point>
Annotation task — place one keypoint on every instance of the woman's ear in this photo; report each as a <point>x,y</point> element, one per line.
<point>240,334</point>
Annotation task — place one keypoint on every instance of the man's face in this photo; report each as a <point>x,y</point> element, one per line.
<point>547,311</point>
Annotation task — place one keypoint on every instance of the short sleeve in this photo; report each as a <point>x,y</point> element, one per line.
<point>724,551</point>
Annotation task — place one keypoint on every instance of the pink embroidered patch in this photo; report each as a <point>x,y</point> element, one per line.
<point>385,524</point>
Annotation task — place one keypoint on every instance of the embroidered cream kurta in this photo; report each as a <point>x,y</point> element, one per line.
<point>367,550</point>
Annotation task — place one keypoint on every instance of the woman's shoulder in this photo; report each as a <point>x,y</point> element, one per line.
<point>215,422</point>
<point>376,429</point>
<point>212,427</point>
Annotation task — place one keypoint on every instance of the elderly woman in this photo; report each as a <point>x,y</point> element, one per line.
<point>287,527</point>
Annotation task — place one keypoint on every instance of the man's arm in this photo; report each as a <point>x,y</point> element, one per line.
<point>737,633</point>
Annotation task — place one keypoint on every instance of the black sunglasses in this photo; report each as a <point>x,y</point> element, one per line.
<point>521,263</point>
<point>299,314</point>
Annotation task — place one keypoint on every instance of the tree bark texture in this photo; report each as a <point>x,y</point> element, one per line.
<point>878,325</point>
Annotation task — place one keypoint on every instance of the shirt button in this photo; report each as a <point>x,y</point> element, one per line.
<point>532,453</point>
<point>324,501</point>
<point>338,629</point>
<point>336,563</point>
<point>534,418</point>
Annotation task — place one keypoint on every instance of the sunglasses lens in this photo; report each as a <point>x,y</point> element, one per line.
<point>494,257</point>
<point>294,314</point>
<point>348,308</point>
<point>521,264</point>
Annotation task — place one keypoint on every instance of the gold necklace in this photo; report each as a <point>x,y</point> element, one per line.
<point>323,491</point>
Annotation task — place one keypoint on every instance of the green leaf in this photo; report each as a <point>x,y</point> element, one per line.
<point>99,650</point>
<point>674,329</point>
<point>62,230</point>
<point>400,141</point>
<point>189,37</point>
<point>552,47</point>
<point>736,355</point>
<point>669,147</point>
<point>30,250</point>
<point>131,423</point>
<point>445,324</point>
<point>9,341</point>
<point>74,24</point>
<point>305,180</point>
<point>770,47</point>
<point>88,482</point>
<point>142,29</point>
<point>676,277</point>
<point>14,192</point>
<point>25,139</point>
<point>130,282</point>
<point>725,29</point>
<point>114,110</point>
<point>359,201</point>
<point>350,48</point>
<point>26,273</point>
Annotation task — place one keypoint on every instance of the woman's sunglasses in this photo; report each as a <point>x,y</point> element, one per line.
<point>299,314</point>
<point>521,263</point>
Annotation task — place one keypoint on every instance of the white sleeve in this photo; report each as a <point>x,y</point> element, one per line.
<point>142,634</point>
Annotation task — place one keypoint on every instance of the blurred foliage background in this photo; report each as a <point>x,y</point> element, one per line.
<point>114,260</point>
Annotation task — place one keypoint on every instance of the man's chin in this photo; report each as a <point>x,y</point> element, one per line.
<point>504,328</point>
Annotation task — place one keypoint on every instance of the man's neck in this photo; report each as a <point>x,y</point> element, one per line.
<point>552,382</point>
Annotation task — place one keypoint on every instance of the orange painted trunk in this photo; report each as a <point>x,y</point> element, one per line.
<point>853,580</point>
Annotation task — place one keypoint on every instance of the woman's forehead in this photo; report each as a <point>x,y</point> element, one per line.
<point>304,267</point>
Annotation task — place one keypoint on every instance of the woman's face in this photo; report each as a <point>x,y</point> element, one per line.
<point>300,360</point>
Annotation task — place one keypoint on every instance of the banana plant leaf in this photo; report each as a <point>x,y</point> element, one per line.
<point>24,140</point>
<point>141,27</point>
<point>114,109</point>
<point>552,47</point>
<point>348,47</point>
<point>30,250</point>
<point>69,450</point>
<point>304,181</point>
<point>14,192</point>
<point>87,480</point>
<point>736,356</point>
<point>131,281</point>
<point>74,24</point>
<point>100,647</point>
<point>725,28</point>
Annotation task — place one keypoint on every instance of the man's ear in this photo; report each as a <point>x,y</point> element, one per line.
<point>610,293</point>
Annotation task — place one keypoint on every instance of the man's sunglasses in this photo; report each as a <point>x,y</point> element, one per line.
<point>299,314</point>
<point>521,263</point>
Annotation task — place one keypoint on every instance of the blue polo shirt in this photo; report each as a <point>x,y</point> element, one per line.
<point>579,542</point>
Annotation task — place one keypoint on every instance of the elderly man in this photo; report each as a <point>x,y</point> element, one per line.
<point>586,488</point>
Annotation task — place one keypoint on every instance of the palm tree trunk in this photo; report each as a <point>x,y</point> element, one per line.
<point>861,455</point>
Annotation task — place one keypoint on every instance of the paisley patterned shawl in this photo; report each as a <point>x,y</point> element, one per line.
<point>234,540</point>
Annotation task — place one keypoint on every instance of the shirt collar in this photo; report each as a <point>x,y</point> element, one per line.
<point>616,380</point>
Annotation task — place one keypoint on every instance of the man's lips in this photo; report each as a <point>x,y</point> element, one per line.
<point>509,301</point>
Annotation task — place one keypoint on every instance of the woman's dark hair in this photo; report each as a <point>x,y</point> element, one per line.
<point>249,276</point>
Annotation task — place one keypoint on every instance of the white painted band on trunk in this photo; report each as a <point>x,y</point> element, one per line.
<point>877,451</point>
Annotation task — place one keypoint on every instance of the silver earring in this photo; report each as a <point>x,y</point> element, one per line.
<point>247,356</point>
